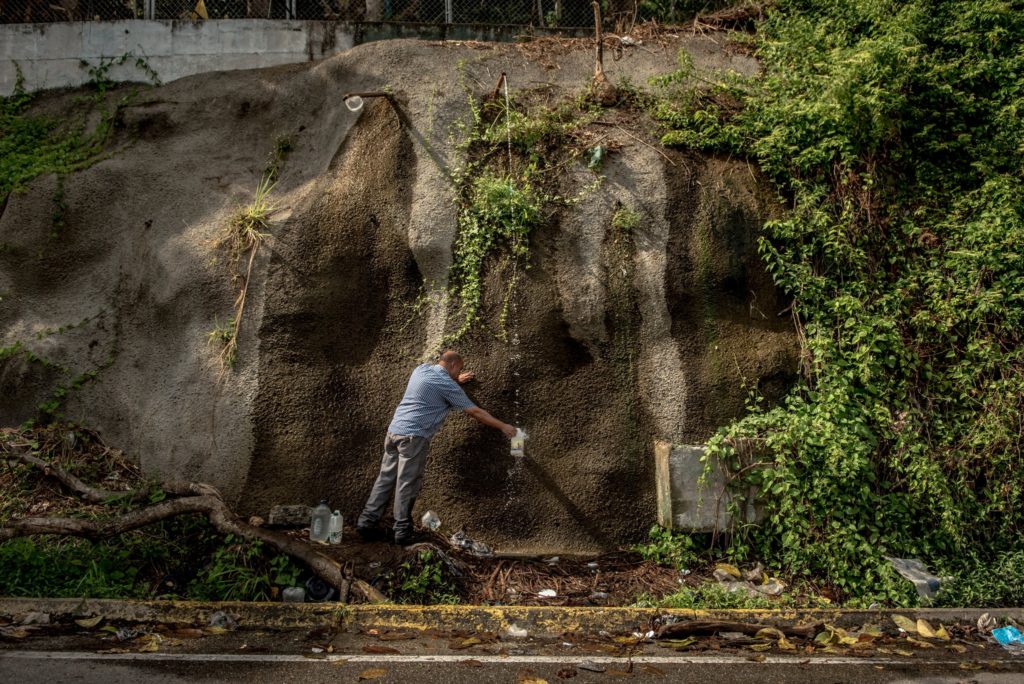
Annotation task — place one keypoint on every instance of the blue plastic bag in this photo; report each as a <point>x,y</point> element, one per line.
<point>1008,635</point>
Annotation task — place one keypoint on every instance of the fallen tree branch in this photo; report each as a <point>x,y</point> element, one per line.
<point>196,498</point>
<point>707,627</point>
<point>95,495</point>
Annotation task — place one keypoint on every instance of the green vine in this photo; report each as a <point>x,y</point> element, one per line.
<point>893,131</point>
<point>506,187</point>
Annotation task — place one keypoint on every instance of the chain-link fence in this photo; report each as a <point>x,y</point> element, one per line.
<point>541,13</point>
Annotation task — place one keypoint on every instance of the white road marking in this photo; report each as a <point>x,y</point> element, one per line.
<point>446,658</point>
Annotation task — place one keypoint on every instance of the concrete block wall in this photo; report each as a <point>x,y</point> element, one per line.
<point>51,55</point>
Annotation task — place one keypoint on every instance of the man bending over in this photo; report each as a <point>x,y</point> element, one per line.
<point>432,392</point>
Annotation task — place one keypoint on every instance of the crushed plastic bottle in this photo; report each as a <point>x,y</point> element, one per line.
<point>319,524</point>
<point>335,528</point>
<point>431,521</point>
<point>519,443</point>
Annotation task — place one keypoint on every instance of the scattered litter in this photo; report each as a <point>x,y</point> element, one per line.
<point>35,618</point>
<point>553,560</point>
<point>294,595</point>
<point>630,41</point>
<point>461,541</point>
<point>318,591</point>
<point>316,649</point>
<point>597,155</point>
<point>517,632</point>
<point>986,623</point>
<point>374,564</point>
<point>772,587</point>
<point>753,581</point>
<point>566,644</point>
<point>1010,639</point>
<point>685,572</point>
<point>905,624</point>
<point>916,572</point>
<point>590,666</point>
<point>431,521</point>
<point>125,634</point>
<point>222,619</point>
<point>600,596</point>
<point>547,593</point>
<point>592,565</point>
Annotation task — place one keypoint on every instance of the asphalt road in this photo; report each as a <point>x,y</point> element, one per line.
<point>48,667</point>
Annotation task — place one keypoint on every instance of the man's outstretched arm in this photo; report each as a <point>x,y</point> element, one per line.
<point>486,418</point>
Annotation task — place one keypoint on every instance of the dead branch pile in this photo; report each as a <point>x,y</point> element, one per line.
<point>182,498</point>
<point>735,18</point>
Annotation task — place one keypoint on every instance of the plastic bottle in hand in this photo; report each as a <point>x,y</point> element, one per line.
<point>519,443</point>
<point>319,524</point>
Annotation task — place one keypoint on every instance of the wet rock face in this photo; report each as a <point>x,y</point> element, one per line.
<point>617,337</point>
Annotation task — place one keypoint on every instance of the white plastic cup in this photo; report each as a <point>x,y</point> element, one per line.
<point>354,103</point>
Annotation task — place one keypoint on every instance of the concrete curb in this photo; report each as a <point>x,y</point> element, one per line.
<point>537,620</point>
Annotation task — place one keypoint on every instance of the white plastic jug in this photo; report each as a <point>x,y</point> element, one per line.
<point>319,524</point>
<point>335,528</point>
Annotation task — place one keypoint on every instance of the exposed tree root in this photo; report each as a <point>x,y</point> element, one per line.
<point>195,497</point>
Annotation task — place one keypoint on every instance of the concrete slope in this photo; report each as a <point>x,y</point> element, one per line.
<point>616,340</point>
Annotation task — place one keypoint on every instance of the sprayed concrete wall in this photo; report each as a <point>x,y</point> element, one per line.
<point>51,55</point>
<point>617,339</point>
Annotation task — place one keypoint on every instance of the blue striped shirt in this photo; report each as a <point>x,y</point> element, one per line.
<point>428,398</point>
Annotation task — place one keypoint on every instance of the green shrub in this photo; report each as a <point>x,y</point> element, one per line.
<point>665,547</point>
<point>893,133</point>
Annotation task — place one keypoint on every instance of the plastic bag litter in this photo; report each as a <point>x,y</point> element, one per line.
<point>461,541</point>
<point>1010,639</point>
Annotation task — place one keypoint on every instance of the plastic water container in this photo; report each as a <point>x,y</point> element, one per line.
<point>431,521</point>
<point>320,523</point>
<point>519,443</point>
<point>294,595</point>
<point>335,528</point>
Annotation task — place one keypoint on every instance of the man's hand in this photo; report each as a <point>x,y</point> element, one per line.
<point>509,430</point>
<point>466,377</point>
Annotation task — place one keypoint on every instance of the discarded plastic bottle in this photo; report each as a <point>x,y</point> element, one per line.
<point>519,443</point>
<point>431,521</point>
<point>294,595</point>
<point>319,525</point>
<point>335,528</point>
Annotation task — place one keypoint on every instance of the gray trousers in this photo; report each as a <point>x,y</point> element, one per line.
<point>405,458</point>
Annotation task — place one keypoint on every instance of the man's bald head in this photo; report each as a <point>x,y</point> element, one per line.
<point>449,358</point>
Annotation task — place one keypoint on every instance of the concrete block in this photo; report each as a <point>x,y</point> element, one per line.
<point>286,38</point>
<point>686,504</point>
<point>59,40</point>
<point>196,38</point>
<point>18,41</point>
<point>103,39</point>
<point>241,39</point>
<point>149,38</point>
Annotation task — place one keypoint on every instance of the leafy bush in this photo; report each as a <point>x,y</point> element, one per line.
<point>241,571</point>
<point>424,580</point>
<point>893,132</point>
<point>995,582</point>
<point>665,547</point>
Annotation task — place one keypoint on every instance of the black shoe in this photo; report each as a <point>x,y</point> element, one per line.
<point>371,533</point>
<point>407,539</point>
